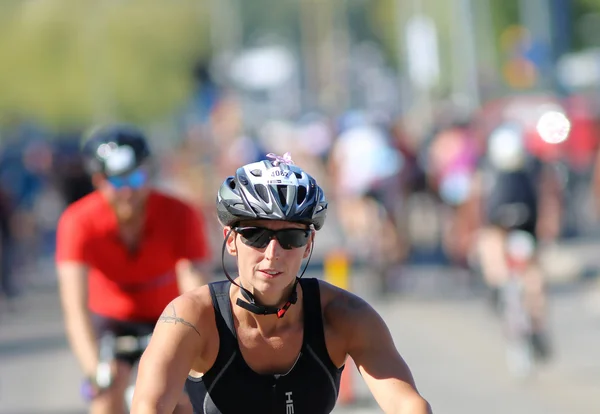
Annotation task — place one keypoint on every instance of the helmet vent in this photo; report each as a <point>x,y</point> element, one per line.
<point>301,196</point>
<point>262,192</point>
<point>282,192</point>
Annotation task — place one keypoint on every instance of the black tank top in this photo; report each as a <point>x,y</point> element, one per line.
<point>511,187</point>
<point>230,386</point>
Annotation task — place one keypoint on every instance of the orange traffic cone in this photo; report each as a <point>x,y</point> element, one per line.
<point>346,395</point>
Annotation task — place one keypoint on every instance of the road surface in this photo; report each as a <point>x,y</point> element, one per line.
<point>449,339</point>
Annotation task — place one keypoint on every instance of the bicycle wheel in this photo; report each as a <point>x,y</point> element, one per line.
<point>517,326</point>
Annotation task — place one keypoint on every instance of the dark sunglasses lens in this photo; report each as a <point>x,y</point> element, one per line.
<point>292,238</point>
<point>255,237</point>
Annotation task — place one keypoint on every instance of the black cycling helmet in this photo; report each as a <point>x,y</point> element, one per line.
<point>272,189</point>
<point>115,149</point>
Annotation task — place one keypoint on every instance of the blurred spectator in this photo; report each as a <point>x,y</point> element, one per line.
<point>8,286</point>
<point>71,179</point>
<point>451,164</point>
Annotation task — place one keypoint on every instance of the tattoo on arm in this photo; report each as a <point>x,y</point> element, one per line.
<point>174,319</point>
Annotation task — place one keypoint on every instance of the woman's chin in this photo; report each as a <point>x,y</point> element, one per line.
<point>271,286</point>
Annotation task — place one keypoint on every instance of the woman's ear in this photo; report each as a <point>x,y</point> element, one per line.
<point>309,244</point>
<point>230,242</point>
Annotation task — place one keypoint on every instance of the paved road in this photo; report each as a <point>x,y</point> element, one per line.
<point>450,341</point>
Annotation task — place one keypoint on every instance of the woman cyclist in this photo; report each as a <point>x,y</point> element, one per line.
<point>269,341</point>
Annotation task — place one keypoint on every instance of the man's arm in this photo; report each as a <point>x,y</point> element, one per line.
<point>192,274</point>
<point>549,204</point>
<point>370,345</point>
<point>194,266</point>
<point>72,282</point>
<point>176,343</point>
<point>72,268</point>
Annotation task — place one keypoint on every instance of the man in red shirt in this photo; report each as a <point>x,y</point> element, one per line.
<point>123,253</point>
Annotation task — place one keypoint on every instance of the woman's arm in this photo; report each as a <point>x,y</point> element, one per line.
<point>177,343</point>
<point>370,345</point>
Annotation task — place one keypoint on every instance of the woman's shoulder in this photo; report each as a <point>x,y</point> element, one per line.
<point>339,306</point>
<point>194,313</point>
<point>193,309</point>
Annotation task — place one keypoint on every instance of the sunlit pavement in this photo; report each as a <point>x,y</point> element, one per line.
<point>448,336</point>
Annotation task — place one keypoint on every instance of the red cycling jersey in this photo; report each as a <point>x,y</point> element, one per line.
<point>125,285</point>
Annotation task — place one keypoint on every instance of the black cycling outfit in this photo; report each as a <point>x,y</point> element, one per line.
<point>231,387</point>
<point>511,197</point>
<point>104,325</point>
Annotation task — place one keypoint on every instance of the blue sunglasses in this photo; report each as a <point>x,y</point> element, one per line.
<point>135,180</point>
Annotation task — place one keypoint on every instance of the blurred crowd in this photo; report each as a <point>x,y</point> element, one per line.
<point>382,178</point>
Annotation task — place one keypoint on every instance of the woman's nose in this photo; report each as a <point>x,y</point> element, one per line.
<point>273,250</point>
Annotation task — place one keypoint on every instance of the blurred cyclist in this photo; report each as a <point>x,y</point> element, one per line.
<point>515,190</point>
<point>451,163</point>
<point>365,173</point>
<point>270,341</point>
<point>123,253</point>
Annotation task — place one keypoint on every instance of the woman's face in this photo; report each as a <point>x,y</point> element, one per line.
<point>270,269</point>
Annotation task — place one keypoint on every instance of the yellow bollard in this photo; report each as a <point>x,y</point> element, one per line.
<point>337,269</point>
<point>337,272</point>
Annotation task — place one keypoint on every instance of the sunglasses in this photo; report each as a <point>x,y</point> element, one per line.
<point>135,180</point>
<point>260,237</point>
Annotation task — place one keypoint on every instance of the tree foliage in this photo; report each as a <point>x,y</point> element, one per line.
<point>75,61</point>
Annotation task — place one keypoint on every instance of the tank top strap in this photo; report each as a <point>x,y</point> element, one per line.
<point>313,318</point>
<point>219,292</point>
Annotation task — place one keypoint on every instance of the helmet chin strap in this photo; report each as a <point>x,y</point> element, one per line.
<point>250,303</point>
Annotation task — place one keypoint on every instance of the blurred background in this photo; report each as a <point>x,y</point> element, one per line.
<point>378,99</point>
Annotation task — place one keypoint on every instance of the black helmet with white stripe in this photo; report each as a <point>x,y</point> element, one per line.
<point>272,189</point>
<point>115,149</point>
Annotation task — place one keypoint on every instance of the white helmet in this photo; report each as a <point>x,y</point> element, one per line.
<point>506,148</point>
